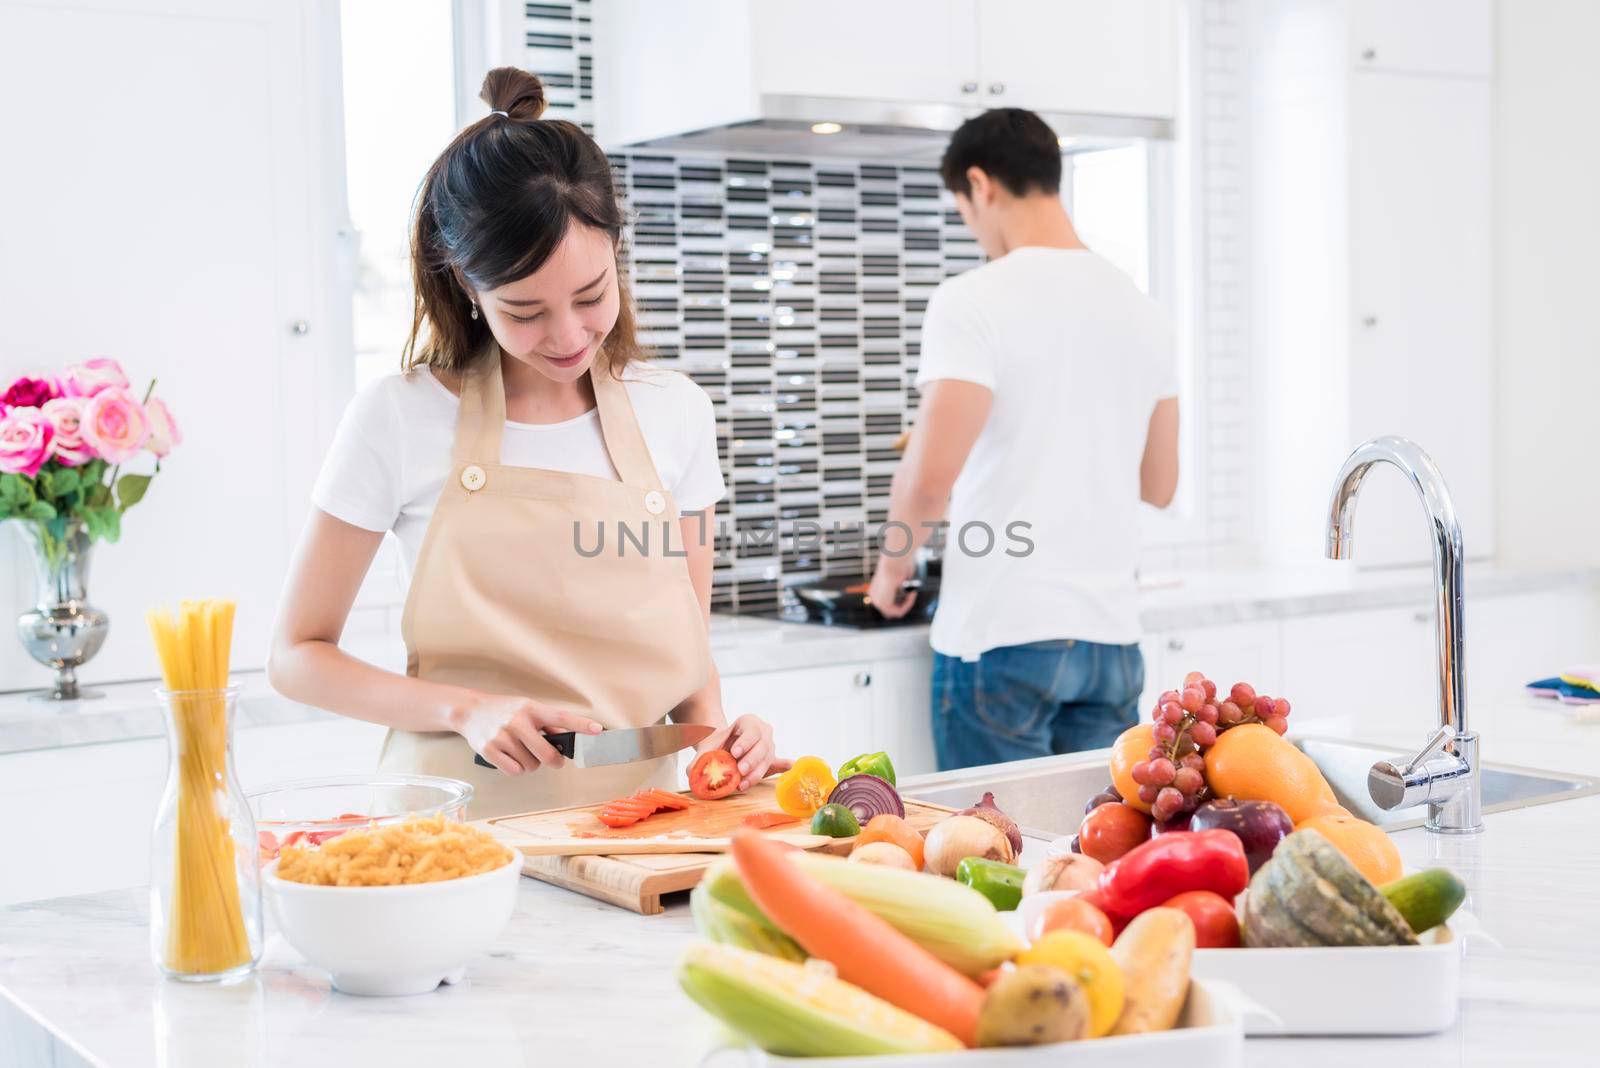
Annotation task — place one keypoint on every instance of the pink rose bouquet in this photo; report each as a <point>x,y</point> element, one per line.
<point>64,440</point>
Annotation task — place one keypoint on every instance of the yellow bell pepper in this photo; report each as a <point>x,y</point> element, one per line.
<point>805,787</point>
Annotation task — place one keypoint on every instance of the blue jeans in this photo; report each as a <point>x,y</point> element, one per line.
<point>1034,700</point>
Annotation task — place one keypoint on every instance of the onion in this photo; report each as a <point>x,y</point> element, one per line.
<point>1071,872</point>
<point>960,837</point>
<point>988,810</point>
<point>885,853</point>
<point>867,796</point>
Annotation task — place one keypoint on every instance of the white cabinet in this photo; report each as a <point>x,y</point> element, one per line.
<point>1229,653</point>
<point>887,50</point>
<point>1047,55</point>
<point>84,812</point>
<point>1079,55</point>
<point>819,60</point>
<point>1371,299</point>
<point>1353,663</point>
<point>840,710</point>
<point>824,711</point>
<point>218,223</point>
<point>1421,349</point>
<point>1422,36</point>
<point>902,713</point>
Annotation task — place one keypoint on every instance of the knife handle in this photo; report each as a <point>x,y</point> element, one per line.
<point>565,743</point>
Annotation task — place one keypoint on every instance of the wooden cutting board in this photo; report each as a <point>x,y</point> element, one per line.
<point>666,853</point>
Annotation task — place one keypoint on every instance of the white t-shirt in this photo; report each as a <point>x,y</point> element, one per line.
<point>391,454</point>
<point>1077,358</point>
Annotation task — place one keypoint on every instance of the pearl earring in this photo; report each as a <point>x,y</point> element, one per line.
<point>474,311</point>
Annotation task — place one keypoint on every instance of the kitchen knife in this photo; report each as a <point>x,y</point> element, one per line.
<point>623,746</point>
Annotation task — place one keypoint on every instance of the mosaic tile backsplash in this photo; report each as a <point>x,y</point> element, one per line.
<point>793,292</point>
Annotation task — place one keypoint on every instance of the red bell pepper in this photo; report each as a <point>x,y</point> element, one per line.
<point>1172,864</point>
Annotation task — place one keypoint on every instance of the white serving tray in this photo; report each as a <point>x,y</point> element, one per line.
<point>1356,990</point>
<point>1209,1035</point>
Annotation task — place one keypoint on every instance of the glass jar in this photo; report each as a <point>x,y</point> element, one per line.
<point>205,884</point>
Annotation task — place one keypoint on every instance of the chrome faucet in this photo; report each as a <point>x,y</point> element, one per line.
<point>1446,772</point>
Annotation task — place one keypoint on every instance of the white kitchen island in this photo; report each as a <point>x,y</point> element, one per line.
<point>578,982</point>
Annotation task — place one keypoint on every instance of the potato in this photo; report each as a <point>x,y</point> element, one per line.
<point>1032,1006</point>
<point>1154,952</point>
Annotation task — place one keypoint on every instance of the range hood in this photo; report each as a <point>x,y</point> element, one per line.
<point>850,128</point>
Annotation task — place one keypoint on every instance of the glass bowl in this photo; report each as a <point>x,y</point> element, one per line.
<point>311,811</point>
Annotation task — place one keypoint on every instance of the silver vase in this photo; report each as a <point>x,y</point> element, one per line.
<point>62,630</point>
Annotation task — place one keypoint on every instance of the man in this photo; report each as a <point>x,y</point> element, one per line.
<point>1048,413</point>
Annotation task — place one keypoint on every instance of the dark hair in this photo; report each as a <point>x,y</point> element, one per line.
<point>493,208</point>
<point>1013,146</point>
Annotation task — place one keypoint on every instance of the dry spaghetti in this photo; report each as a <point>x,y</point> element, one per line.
<point>418,851</point>
<point>205,925</point>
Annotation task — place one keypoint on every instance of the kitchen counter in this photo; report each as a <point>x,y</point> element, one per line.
<point>741,645</point>
<point>745,645</point>
<point>78,986</point>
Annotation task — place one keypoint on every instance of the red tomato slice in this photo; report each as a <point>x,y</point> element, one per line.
<point>662,799</point>
<point>617,819</point>
<point>713,774</point>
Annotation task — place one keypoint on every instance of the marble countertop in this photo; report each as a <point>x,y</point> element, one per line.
<point>78,986</point>
<point>746,645</point>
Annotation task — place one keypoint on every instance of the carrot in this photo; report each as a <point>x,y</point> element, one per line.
<point>862,946</point>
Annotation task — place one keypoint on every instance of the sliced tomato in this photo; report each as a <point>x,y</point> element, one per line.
<point>713,774</point>
<point>637,809</point>
<point>663,799</point>
<point>617,819</point>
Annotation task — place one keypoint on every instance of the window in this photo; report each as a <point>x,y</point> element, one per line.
<point>1109,197</point>
<point>399,111</point>
<point>1128,206</point>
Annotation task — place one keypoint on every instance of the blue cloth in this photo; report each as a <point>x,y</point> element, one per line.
<point>1023,701</point>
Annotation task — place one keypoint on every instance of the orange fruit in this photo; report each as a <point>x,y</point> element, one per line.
<point>1252,763</point>
<point>1363,844</point>
<point>1131,746</point>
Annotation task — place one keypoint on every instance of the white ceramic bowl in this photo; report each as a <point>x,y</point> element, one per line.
<point>385,940</point>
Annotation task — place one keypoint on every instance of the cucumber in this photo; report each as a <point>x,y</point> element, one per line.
<point>1427,898</point>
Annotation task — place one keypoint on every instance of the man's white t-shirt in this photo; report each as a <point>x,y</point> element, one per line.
<point>391,454</point>
<point>1076,357</point>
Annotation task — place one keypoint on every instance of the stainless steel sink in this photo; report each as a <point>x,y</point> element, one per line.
<point>1046,796</point>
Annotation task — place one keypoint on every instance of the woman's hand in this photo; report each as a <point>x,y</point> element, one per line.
<point>509,732</point>
<point>748,740</point>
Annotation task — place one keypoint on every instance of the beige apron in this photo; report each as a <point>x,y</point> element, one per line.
<point>502,600</point>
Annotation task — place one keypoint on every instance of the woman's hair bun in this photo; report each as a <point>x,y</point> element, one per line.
<point>514,91</point>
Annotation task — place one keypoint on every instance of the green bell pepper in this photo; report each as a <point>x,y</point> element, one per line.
<point>869,764</point>
<point>1000,883</point>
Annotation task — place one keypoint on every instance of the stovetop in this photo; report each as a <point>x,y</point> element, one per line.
<point>826,619</point>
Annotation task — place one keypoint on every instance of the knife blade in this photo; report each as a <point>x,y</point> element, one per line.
<point>622,746</point>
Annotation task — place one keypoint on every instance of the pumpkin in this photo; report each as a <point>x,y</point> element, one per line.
<point>1308,894</point>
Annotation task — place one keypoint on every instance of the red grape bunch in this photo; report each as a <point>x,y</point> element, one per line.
<point>1172,779</point>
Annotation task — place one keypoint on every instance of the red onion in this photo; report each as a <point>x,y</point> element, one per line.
<point>988,811</point>
<point>867,796</point>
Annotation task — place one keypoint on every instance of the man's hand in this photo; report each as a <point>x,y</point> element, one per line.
<point>885,594</point>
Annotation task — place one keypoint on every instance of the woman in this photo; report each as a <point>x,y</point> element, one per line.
<point>524,429</point>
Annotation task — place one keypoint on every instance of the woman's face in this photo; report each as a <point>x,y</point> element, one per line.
<point>555,319</point>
